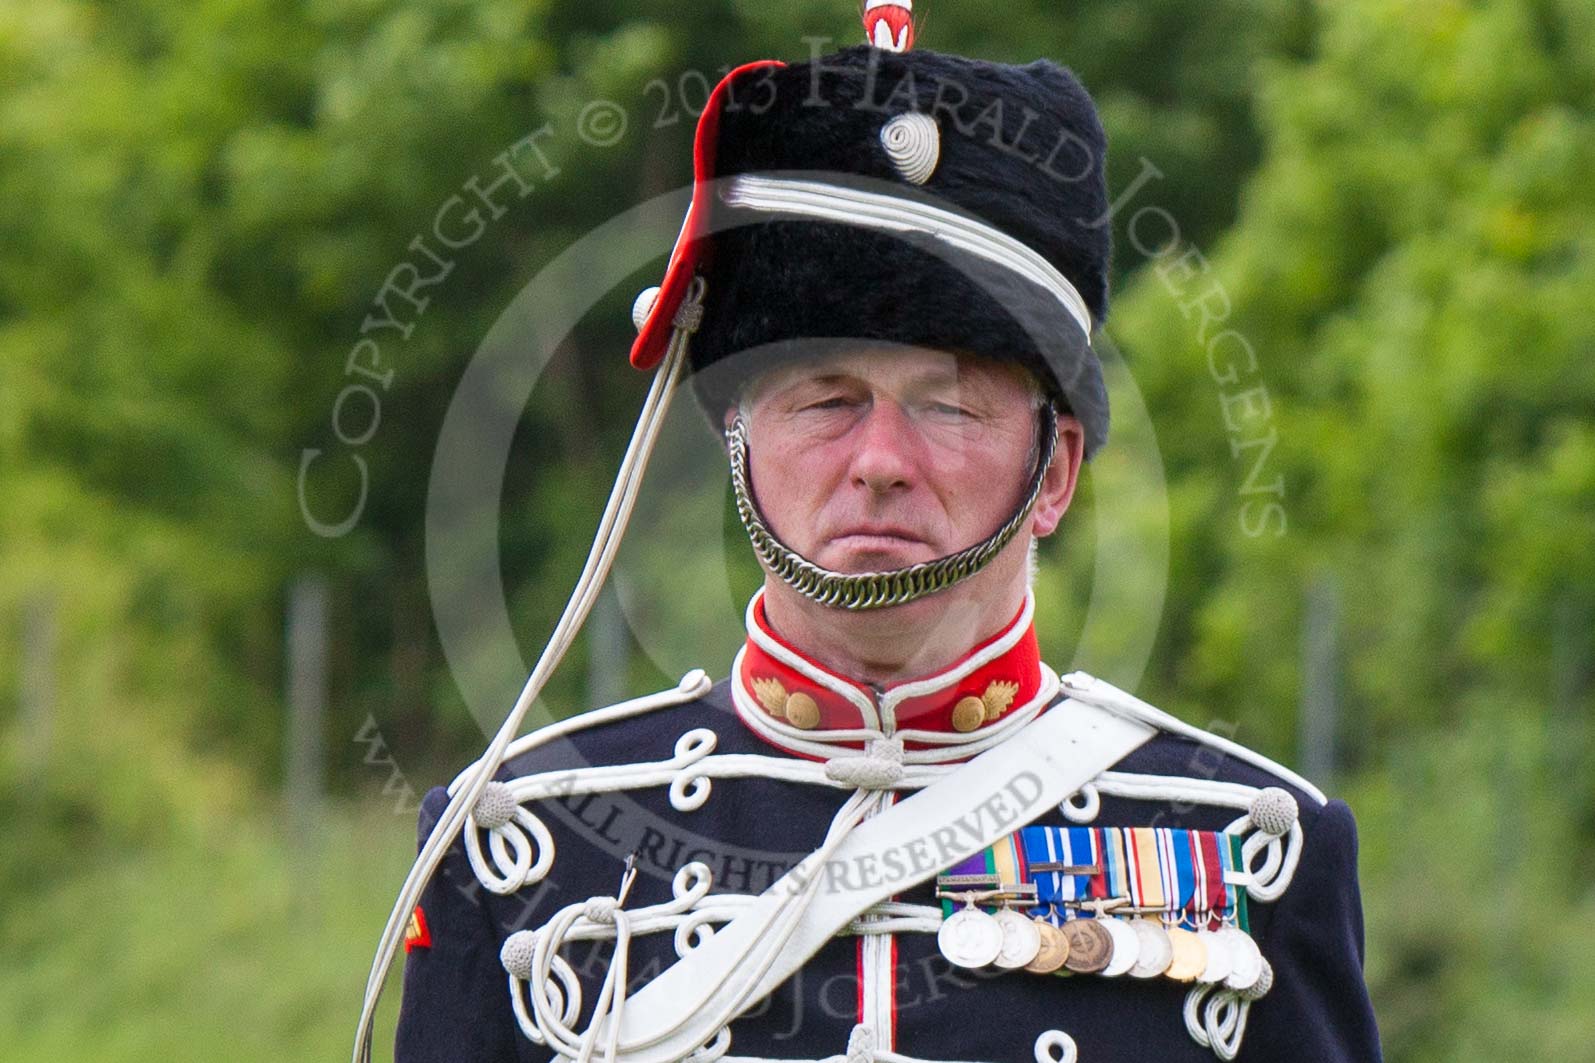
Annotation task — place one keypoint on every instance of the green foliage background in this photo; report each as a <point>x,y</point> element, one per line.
<point>1392,202</point>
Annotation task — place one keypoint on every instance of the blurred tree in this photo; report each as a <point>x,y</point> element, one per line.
<point>1386,205</point>
<point>1403,399</point>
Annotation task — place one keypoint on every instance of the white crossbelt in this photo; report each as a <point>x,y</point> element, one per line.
<point>863,863</point>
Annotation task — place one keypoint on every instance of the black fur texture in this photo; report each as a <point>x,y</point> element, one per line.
<point>1022,148</point>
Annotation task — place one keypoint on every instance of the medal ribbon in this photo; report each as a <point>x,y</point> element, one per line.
<point>1218,891</point>
<point>979,864</point>
<point>1043,845</point>
<point>1079,848</point>
<point>1178,844</point>
<point>1148,890</point>
<point>1007,860</point>
<point>1236,863</point>
<point>1188,873</point>
<point>1114,863</point>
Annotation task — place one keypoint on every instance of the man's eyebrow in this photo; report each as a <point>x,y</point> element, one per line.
<point>926,378</point>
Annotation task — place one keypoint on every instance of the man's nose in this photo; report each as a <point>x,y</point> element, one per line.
<point>884,454</point>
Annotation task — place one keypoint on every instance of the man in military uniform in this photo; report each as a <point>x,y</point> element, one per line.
<point>893,832</point>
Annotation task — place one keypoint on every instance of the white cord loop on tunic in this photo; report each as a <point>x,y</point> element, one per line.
<point>549,1019</point>
<point>1273,811</point>
<point>1218,1021</point>
<point>878,768</point>
<point>495,807</point>
<point>861,1045</point>
<point>1056,1041</point>
<point>1086,811</point>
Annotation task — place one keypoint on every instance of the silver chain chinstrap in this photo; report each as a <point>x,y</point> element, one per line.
<point>877,590</point>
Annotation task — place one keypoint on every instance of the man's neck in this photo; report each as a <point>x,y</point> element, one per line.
<point>880,647</point>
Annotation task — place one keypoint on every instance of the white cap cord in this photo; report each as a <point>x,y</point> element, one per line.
<point>606,542</point>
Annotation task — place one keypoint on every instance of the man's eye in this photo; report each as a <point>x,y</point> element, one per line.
<point>947,409</point>
<point>834,402</point>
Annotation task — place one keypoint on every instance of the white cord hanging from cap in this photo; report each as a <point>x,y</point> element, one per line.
<point>606,542</point>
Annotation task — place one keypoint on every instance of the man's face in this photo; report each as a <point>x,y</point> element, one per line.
<point>880,458</point>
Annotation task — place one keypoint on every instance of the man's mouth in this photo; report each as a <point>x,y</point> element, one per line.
<point>866,548</point>
<point>876,535</point>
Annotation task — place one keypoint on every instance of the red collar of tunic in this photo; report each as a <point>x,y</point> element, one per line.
<point>786,695</point>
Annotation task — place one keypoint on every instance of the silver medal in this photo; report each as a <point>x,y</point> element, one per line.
<point>1220,958</point>
<point>1246,961</point>
<point>970,938</point>
<point>1126,947</point>
<point>1021,939</point>
<point>1155,951</point>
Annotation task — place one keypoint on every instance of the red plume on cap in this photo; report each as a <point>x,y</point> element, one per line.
<point>889,24</point>
<point>657,316</point>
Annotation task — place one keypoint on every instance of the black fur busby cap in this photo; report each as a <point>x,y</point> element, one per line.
<point>1016,149</point>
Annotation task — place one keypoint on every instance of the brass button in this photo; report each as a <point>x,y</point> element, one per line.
<point>968,714</point>
<point>801,711</point>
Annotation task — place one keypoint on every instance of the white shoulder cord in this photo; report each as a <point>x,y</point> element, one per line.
<point>1270,825</point>
<point>1100,692</point>
<point>606,541</point>
<point>1271,820</point>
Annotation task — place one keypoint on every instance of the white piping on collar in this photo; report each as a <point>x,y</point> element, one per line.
<point>941,680</point>
<point>875,210</point>
<point>864,704</point>
<point>824,745</point>
<point>820,743</point>
<point>1012,720</point>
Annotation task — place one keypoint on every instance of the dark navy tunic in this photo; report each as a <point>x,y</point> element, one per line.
<point>456,1004</point>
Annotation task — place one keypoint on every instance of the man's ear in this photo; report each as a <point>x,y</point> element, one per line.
<point>1057,489</point>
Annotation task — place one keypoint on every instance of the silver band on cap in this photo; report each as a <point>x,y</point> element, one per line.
<point>873,210</point>
<point>877,590</point>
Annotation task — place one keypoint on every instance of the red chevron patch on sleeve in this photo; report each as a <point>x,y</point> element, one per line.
<point>416,934</point>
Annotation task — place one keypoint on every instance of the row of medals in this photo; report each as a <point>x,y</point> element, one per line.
<point>1102,944</point>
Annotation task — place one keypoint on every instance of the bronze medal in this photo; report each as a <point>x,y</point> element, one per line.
<point>1090,946</point>
<point>1053,952</point>
<point>1190,955</point>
